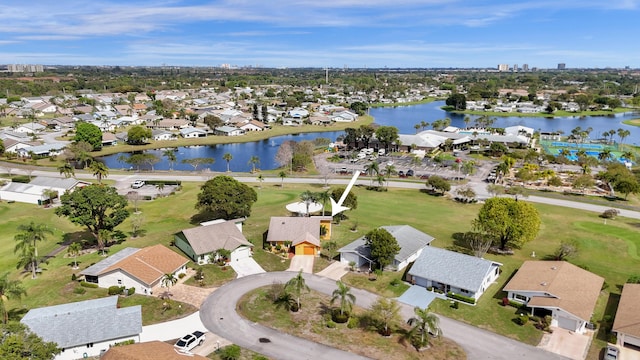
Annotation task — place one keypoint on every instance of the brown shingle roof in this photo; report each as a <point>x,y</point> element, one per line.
<point>150,264</point>
<point>293,228</point>
<point>306,237</point>
<point>209,238</point>
<point>561,285</point>
<point>153,350</point>
<point>628,316</point>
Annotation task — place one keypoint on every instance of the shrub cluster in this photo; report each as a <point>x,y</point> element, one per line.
<point>21,179</point>
<point>88,285</point>
<point>610,213</point>
<point>163,182</point>
<point>131,291</point>
<point>115,290</point>
<point>467,299</point>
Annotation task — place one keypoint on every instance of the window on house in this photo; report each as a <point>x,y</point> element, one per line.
<point>464,291</point>
<point>520,297</point>
<point>119,282</point>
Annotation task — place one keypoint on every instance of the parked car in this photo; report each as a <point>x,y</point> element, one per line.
<point>611,353</point>
<point>190,341</point>
<point>137,184</point>
<point>410,172</point>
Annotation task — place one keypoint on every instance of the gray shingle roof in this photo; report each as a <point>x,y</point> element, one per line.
<point>209,238</point>
<point>409,238</point>
<point>59,183</point>
<point>84,322</point>
<point>449,267</point>
<point>95,270</point>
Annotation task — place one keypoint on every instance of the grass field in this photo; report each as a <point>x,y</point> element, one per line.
<point>609,250</point>
<point>633,122</point>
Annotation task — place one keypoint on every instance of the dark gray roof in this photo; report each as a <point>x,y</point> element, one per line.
<point>449,267</point>
<point>97,269</point>
<point>84,322</point>
<point>409,238</point>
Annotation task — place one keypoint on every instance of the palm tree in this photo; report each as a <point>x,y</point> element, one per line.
<point>160,187</point>
<point>99,170</point>
<point>323,197</point>
<point>424,322</point>
<point>628,156</point>
<point>67,170</point>
<point>254,161</point>
<point>282,175</point>
<point>372,169</point>
<point>227,157</point>
<point>466,120</point>
<point>417,127</point>
<point>74,250</point>
<point>386,312</point>
<point>168,280</point>
<point>308,197</point>
<point>347,299</point>
<point>27,242</point>
<point>604,155</point>
<point>260,179</point>
<point>388,171</point>
<point>9,289</point>
<point>171,157</point>
<point>296,285</point>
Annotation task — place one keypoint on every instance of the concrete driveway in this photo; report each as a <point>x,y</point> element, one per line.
<point>302,262</point>
<point>335,271</point>
<point>628,354</point>
<point>246,266</point>
<point>567,343</point>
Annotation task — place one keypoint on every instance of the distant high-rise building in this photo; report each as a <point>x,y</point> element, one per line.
<point>515,67</point>
<point>503,67</point>
<point>525,67</point>
<point>16,68</point>
<point>562,66</point>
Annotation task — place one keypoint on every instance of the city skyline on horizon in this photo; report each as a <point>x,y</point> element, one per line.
<point>305,34</point>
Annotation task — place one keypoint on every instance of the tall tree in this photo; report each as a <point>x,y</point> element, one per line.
<point>254,161</point>
<point>387,135</point>
<point>344,296</point>
<point>89,133</point>
<point>74,250</point>
<point>383,246</point>
<point>99,170</point>
<point>19,343</point>
<point>138,135</point>
<point>67,170</point>
<point>282,175</point>
<point>226,198</point>
<point>9,289</point>
<point>227,157</point>
<point>97,207</point>
<point>373,169</point>
<point>170,155</point>
<point>308,198</point>
<point>195,162</point>
<point>297,285</point>
<point>511,223</point>
<point>423,323</point>
<point>27,243</point>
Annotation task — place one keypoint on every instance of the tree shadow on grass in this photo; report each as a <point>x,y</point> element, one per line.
<point>201,217</point>
<point>77,236</point>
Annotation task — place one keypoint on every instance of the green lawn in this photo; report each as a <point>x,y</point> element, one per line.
<point>609,250</point>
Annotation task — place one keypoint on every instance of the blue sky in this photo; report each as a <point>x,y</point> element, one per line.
<point>329,33</point>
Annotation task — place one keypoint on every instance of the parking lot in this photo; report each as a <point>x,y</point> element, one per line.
<point>405,166</point>
<point>144,192</point>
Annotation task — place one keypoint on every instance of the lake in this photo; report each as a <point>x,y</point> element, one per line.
<point>402,117</point>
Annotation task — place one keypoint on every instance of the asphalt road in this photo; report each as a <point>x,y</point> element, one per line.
<point>218,314</point>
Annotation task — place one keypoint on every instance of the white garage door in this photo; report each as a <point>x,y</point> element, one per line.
<point>632,340</point>
<point>241,253</point>
<point>567,323</point>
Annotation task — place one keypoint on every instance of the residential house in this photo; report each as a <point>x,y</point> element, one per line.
<point>37,191</point>
<point>301,234</point>
<point>109,139</point>
<point>411,241</point>
<point>41,150</point>
<point>344,116</point>
<point>142,269</point>
<point>31,128</point>
<point>12,145</point>
<point>253,125</point>
<point>450,271</point>
<point>201,243</point>
<point>627,322</point>
<point>152,350</point>
<point>298,113</point>
<point>86,328</point>
<point>192,132</point>
<point>557,288</point>
<point>228,131</point>
<point>159,135</point>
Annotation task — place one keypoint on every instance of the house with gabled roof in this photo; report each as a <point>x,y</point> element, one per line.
<point>411,241</point>
<point>201,243</point>
<point>37,191</point>
<point>450,271</point>
<point>557,288</point>
<point>192,132</point>
<point>142,269</point>
<point>303,234</point>
<point>627,322</point>
<point>86,328</point>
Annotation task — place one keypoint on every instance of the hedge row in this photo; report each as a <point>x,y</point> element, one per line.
<point>163,182</point>
<point>88,285</point>
<point>467,299</point>
<point>21,179</point>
